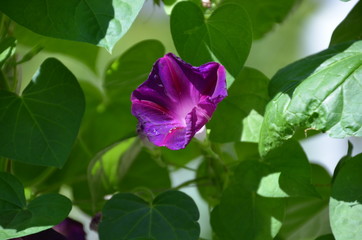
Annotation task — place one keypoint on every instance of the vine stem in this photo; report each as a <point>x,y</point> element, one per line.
<point>189,182</point>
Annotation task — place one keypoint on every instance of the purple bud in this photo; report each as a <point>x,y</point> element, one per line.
<point>177,100</point>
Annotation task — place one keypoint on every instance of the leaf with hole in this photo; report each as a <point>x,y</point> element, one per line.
<point>321,92</point>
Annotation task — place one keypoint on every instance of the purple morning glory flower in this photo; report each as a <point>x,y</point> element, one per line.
<point>177,100</point>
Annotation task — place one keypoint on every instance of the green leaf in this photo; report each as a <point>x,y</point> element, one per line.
<point>171,215</point>
<point>12,192</point>
<point>265,14</point>
<point>131,69</point>
<point>321,92</point>
<point>345,205</point>
<point>23,219</point>
<point>98,22</point>
<point>307,217</point>
<point>226,33</point>
<point>246,100</point>
<point>288,173</point>
<point>127,166</point>
<point>326,237</point>
<point>40,126</point>
<point>349,29</point>
<point>242,212</point>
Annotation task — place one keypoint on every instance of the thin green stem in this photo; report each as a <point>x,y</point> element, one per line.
<point>189,182</point>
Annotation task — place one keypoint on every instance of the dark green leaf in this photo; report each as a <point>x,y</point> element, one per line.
<point>345,205</point>
<point>20,219</point>
<point>131,69</point>
<point>171,215</point>
<point>306,218</point>
<point>242,212</point>
<point>349,29</point>
<point>265,14</point>
<point>226,33</point>
<point>12,192</point>
<point>100,22</point>
<point>322,92</point>
<point>41,213</point>
<point>326,237</point>
<point>40,126</point>
<point>246,100</point>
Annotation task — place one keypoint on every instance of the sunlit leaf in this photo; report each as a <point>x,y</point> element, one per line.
<point>100,22</point>
<point>322,92</point>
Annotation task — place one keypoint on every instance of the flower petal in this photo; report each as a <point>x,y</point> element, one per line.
<point>177,100</point>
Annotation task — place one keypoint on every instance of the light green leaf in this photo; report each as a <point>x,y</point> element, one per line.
<point>349,29</point>
<point>23,219</point>
<point>226,33</point>
<point>98,22</point>
<point>171,215</point>
<point>40,126</point>
<point>345,205</point>
<point>238,116</point>
<point>322,92</point>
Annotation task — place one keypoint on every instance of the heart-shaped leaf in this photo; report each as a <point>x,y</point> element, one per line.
<point>226,33</point>
<point>100,22</point>
<point>20,219</point>
<point>40,126</point>
<point>171,215</point>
